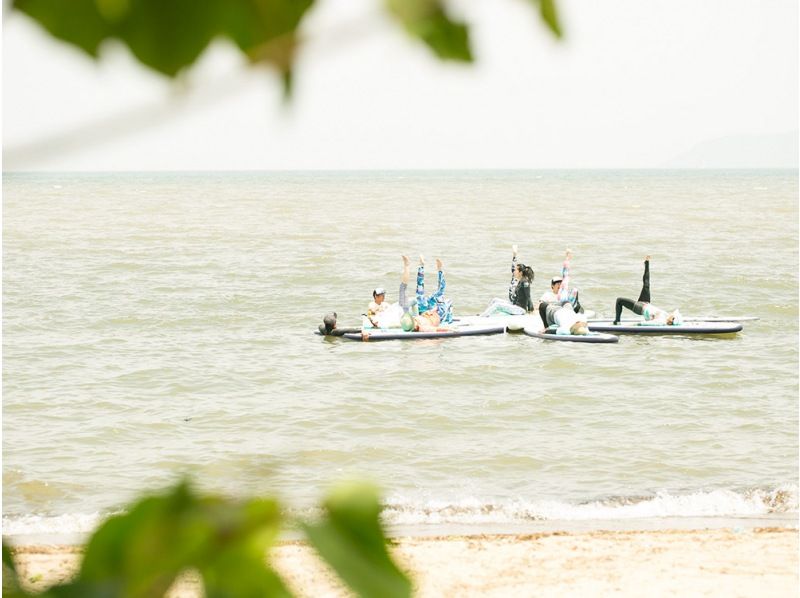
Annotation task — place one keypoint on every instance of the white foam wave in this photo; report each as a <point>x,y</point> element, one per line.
<point>45,525</point>
<point>403,511</point>
<point>715,503</point>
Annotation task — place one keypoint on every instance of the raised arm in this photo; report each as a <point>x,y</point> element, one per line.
<point>513,262</point>
<point>563,291</point>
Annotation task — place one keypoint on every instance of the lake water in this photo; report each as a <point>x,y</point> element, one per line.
<point>157,324</point>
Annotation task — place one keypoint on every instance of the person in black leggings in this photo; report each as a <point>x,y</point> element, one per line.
<point>642,305</point>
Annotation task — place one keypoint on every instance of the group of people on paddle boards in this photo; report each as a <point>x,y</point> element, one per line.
<point>422,313</point>
<point>558,308</point>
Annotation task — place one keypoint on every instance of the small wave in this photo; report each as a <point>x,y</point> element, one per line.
<point>69,524</point>
<point>714,503</point>
<point>470,511</point>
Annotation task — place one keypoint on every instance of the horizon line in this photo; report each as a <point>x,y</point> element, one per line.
<point>410,169</point>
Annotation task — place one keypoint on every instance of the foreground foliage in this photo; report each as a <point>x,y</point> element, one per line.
<point>169,35</point>
<point>142,552</point>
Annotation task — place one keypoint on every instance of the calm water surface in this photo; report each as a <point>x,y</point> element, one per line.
<point>158,324</point>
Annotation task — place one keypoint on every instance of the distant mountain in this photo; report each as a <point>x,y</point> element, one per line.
<point>742,151</point>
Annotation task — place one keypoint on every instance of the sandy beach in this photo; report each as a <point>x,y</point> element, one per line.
<point>723,562</point>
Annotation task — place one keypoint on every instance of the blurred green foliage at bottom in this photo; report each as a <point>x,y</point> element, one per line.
<point>142,552</point>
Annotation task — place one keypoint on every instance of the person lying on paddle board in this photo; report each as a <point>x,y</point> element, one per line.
<point>561,307</point>
<point>653,316</point>
<point>519,291</point>
<point>329,327</point>
<point>435,301</point>
<point>430,311</point>
<point>559,288</point>
<point>414,318</point>
<point>563,317</point>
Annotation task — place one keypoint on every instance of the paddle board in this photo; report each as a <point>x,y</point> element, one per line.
<point>592,337</point>
<point>396,334</point>
<point>337,331</point>
<point>507,321</point>
<point>685,328</point>
<point>513,323</point>
<point>692,319</point>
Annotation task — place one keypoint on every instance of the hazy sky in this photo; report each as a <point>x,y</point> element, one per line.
<point>633,84</point>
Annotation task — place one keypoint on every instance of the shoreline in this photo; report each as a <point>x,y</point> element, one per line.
<point>722,561</point>
<point>786,520</point>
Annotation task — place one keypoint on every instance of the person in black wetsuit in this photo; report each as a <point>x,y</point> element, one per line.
<point>523,294</point>
<point>519,292</point>
<point>643,307</point>
<point>328,326</point>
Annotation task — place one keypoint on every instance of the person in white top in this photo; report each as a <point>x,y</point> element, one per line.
<point>551,296</point>
<point>377,305</point>
<point>560,307</point>
<point>559,288</point>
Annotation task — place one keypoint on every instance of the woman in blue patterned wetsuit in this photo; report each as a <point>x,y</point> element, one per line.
<point>434,309</point>
<point>436,300</point>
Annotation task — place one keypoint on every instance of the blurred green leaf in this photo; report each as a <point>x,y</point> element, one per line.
<point>8,561</point>
<point>547,9</point>
<point>240,572</point>
<point>251,24</point>
<point>350,538</point>
<point>427,20</point>
<point>142,552</point>
<point>78,22</point>
<point>169,35</point>
<point>266,31</point>
<point>113,10</point>
<point>234,563</point>
<point>11,586</point>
